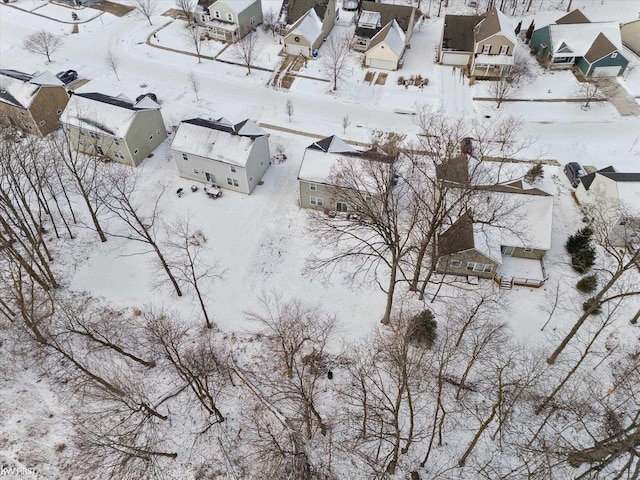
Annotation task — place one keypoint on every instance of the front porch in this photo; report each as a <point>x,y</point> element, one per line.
<point>526,272</point>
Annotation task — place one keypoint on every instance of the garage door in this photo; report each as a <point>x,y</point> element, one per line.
<point>606,71</point>
<point>382,64</point>
<point>297,50</point>
<point>449,58</point>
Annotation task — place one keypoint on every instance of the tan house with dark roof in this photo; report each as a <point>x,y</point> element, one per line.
<point>31,102</point>
<point>383,33</point>
<point>483,45</point>
<point>308,22</point>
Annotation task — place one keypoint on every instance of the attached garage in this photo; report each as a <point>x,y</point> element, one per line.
<point>294,49</point>
<point>613,71</point>
<point>380,63</point>
<point>455,58</point>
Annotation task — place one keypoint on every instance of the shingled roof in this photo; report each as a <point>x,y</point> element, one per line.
<point>458,237</point>
<point>297,8</point>
<point>458,32</point>
<point>600,47</point>
<point>388,12</point>
<point>575,16</point>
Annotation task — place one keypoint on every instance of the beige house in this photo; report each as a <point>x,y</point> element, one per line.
<point>631,36</point>
<point>231,156</point>
<point>114,128</point>
<point>613,198</point>
<point>310,22</point>
<point>321,161</point>
<point>383,32</point>
<point>230,20</point>
<point>483,45</point>
<point>32,103</point>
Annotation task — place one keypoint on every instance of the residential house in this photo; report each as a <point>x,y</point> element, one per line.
<point>232,156</point>
<point>114,128</point>
<point>230,20</point>
<point>595,48</point>
<point>321,161</point>
<point>32,103</point>
<point>631,36</point>
<point>612,199</point>
<point>483,45</point>
<point>503,234</point>
<point>383,32</point>
<point>310,22</point>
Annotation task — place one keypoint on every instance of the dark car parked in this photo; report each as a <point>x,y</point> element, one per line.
<point>152,96</point>
<point>68,76</point>
<point>573,171</point>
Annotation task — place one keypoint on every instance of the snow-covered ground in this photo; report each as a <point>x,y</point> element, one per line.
<point>262,241</point>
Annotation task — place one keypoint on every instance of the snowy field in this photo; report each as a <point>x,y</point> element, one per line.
<point>263,242</point>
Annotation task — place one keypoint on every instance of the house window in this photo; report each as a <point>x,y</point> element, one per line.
<point>116,141</point>
<point>479,267</point>
<point>455,263</point>
<point>118,155</point>
<point>229,181</point>
<point>488,268</point>
<point>81,132</point>
<point>253,20</point>
<point>341,207</point>
<point>614,54</point>
<point>235,182</point>
<point>216,13</point>
<point>367,197</point>
<point>210,177</point>
<point>184,156</point>
<point>486,49</point>
<point>150,137</point>
<point>528,249</point>
<point>319,201</point>
<point>27,124</point>
<point>42,123</point>
<point>197,172</point>
<point>158,132</point>
<point>230,17</point>
<point>313,186</point>
<point>504,49</point>
<point>99,150</point>
<point>233,169</point>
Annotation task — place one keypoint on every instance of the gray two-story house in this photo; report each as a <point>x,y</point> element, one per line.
<point>230,20</point>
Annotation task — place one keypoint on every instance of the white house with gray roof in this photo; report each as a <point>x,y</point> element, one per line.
<point>232,156</point>
<point>114,128</point>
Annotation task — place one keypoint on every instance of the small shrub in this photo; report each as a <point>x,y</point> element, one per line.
<point>587,284</point>
<point>590,304</point>
<point>400,80</point>
<point>579,241</point>
<point>583,260</point>
<point>535,173</point>
<point>422,328</point>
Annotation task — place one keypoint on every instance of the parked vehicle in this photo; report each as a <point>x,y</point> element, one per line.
<point>574,171</point>
<point>152,96</point>
<point>68,76</point>
<point>466,146</point>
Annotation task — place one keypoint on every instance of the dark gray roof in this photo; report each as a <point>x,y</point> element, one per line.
<point>221,126</point>
<point>297,8</point>
<point>609,172</point>
<point>388,12</point>
<point>458,238</point>
<point>100,97</point>
<point>25,77</point>
<point>455,170</point>
<point>458,32</point>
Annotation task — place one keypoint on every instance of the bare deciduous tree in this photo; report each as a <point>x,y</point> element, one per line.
<point>195,35</point>
<point>270,21</point>
<point>147,8</point>
<point>509,79</point>
<point>43,43</point>
<point>119,196</point>
<point>187,8</point>
<point>346,121</point>
<point>194,83</point>
<point>189,260</point>
<point>335,57</point>
<point>288,108</point>
<point>112,61</point>
<point>246,48</point>
<point>592,89</point>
